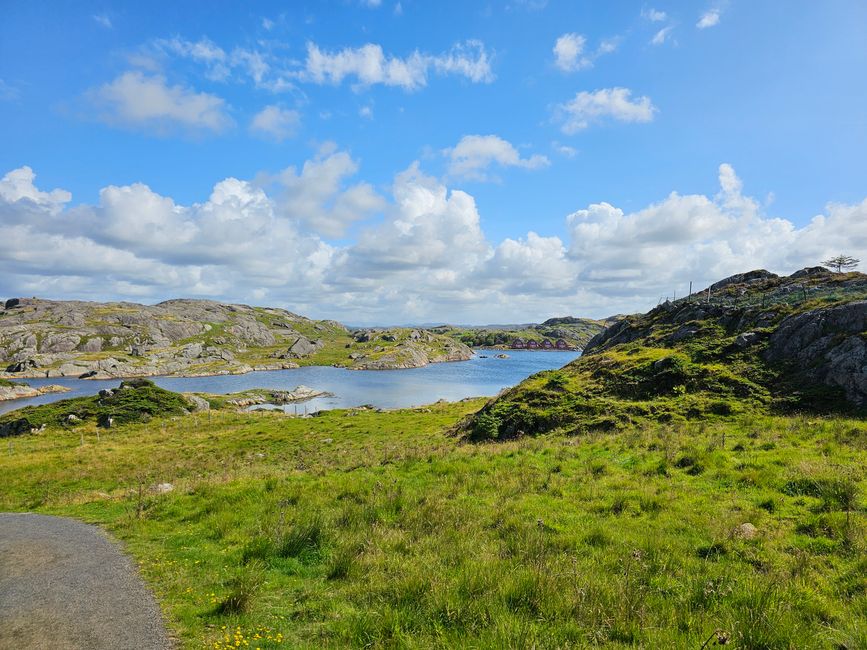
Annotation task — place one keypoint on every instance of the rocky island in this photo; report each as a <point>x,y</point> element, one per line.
<point>47,338</point>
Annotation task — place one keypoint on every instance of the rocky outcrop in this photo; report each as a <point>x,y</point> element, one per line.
<point>826,346</point>
<point>21,391</point>
<point>45,338</point>
<point>304,347</point>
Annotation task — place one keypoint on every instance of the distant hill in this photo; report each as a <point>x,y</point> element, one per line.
<point>754,342</point>
<point>40,338</point>
<point>574,332</point>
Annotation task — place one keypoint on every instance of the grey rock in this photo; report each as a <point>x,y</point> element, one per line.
<point>745,531</point>
<point>93,344</point>
<point>826,346</point>
<point>22,366</point>
<point>198,404</point>
<point>303,347</point>
<point>741,278</point>
<point>811,272</point>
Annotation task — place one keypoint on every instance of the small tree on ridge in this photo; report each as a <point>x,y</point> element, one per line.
<point>841,263</point>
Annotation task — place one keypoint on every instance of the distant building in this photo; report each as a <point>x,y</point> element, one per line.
<point>561,345</point>
<point>547,345</point>
<point>518,344</point>
<point>532,345</point>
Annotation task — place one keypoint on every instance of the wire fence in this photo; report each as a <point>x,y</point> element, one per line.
<point>791,294</point>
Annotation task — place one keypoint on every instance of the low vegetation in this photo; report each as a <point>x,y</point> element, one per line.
<point>135,400</point>
<point>758,344</point>
<point>575,332</point>
<point>374,530</point>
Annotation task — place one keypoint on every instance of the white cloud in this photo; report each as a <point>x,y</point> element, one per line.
<point>709,18</point>
<point>276,123</point>
<point>138,100</point>
<point>474,154</point>
<point>318,199</point>
<point>564,150</point>
<point>420,254</point>
<point>366,112</point>
<point>662,35</point>
<point>103,20</point>
<point>18,185</point>
<point>267,24</point>
<point>653,15</point>
<point>569,53</point>
<point>369,65</point>
<point>615,103</point>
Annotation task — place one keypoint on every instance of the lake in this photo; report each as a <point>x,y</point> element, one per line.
<point>483,375</point>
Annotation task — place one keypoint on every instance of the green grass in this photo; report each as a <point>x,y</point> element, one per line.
<point>135,400</point>
<point>379,530</point>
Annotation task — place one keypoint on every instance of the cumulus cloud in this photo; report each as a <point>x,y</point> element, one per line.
<point>138,100</point>
<point>18,186</point>
<point>475,154</point>
<point>319,197</point>
<point>709,18</point>
<point>276,123</point>
<point>368,65</point>
<point>419,254</point>
<point>615,103</point>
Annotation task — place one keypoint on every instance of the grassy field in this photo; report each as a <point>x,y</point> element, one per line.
<point>365,529</point>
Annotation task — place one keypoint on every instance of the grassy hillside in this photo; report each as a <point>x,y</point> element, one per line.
<point>377,530</point>
<point>758,344</point>
<point>576,332</point>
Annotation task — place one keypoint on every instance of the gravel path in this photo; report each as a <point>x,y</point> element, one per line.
<point>64,585</point>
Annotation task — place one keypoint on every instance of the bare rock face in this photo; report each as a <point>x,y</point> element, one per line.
<point>826,346</point>
<point>741,278</point>
<point>303,347</point>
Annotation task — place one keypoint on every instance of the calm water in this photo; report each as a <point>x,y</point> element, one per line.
<point>381,388</point>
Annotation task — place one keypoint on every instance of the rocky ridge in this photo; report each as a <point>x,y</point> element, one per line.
<point>46,338</point>
<point>753,341</point>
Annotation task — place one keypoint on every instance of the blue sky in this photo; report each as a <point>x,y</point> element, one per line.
<point>459,156</point>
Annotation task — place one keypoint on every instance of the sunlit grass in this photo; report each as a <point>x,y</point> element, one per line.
<point>364,529</point>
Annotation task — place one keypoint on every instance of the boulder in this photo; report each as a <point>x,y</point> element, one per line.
<point>22,366</point>
<point>12,303</point>
<point>198,404</point>
<point>745,531</point>
<point>303,347</point>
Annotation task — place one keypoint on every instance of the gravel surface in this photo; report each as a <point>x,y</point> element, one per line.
<point>64,585</point>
